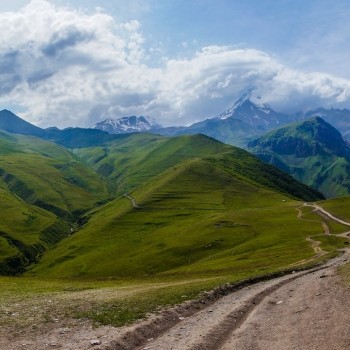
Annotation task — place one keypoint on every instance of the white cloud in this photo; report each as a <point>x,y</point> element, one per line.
<point>67,67</point>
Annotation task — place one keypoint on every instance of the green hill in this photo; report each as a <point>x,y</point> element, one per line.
<point>194,218</point>
<point>312,151</point>
<point>48,175</point>
<point>188,188</point>
<point>25,232</point>
<point>132,161</point>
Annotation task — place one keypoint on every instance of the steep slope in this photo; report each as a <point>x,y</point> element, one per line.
<point>128,125</point>
<point>130,162</point>
<point>25,232</point>
<point>48,175</point>
<point>200,216</point>
<point>339,118</point>
<point>260,117</point>
<point>311,151</point>
<point>14,124</point>
<point>239,124</point>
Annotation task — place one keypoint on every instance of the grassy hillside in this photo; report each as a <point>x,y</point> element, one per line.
<point>37,173</point>
<point>195,218</point>
<point>132,161</point>
<point>339,207</point>
<point>48,175</point>
<point>25,232</point>
<point>43,187</point>
<point>312,151</point>
<point>137,158</point>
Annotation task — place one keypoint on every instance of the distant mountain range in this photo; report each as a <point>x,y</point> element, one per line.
<point>128,125</point>
<point>12,123</point>
<point>311,150</point>
<point>244,121</point>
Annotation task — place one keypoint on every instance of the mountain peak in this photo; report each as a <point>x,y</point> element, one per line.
<point>312,151</point>
<point>305,139</point>
<point>261,117</point>
<point>244,98</point>
<point>128,125</point>
<point>12,123</point>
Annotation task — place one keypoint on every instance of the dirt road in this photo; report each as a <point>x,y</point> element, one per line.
<point>311,312</point>
<point>321,211</point>
<point>305,310</point>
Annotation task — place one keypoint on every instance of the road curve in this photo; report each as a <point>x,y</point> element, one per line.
<point>304,310</point>
<point>326,213</point>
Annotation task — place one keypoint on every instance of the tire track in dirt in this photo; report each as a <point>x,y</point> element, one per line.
<point>211,326</point>
<point>214,322</point>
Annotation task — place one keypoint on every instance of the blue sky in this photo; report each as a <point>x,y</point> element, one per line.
<point>70,62</point>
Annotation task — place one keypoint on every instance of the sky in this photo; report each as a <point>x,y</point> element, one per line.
<point>73,63</point>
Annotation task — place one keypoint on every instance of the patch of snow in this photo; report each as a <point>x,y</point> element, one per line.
<point>128,125</point>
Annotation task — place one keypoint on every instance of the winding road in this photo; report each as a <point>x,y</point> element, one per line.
<point>304,310</point>
<point>326,213</point>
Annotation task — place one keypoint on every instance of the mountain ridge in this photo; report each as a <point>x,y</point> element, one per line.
<point>312,151</point>
<point>128,125</point>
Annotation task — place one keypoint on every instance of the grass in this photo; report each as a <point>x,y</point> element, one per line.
<point>253,248</point>
<point>208,214</point>
<point>331,243</point>
<point>196,219</point>
<point>52,177</point>
<point>134,160</point>
<point>22,221</point>
<point>338,207</point>
<point>303,150</point>
<point>115,302</point>
<point>43,173</point>
<point>22,231</point>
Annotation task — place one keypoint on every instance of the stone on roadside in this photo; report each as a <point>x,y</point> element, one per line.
<point>95,342</point>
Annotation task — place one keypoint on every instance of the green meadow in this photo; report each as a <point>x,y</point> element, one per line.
<point>114,231</point>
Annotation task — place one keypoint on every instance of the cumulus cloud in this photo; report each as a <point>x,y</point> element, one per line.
<point>69,67</point>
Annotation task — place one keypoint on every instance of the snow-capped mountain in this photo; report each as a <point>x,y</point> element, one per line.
<point>261,117</point>
<point>243,121</point>
<point>127,125</point>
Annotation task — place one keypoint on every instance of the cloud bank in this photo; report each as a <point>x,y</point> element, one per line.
<point>69,67</point>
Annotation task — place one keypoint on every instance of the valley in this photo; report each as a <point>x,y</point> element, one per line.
<point>42,313</point>
<point>99,231</point>
<point>174,175</point>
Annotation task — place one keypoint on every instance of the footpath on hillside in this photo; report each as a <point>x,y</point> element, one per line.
<point>290,312</point>
<point>303,310</point>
